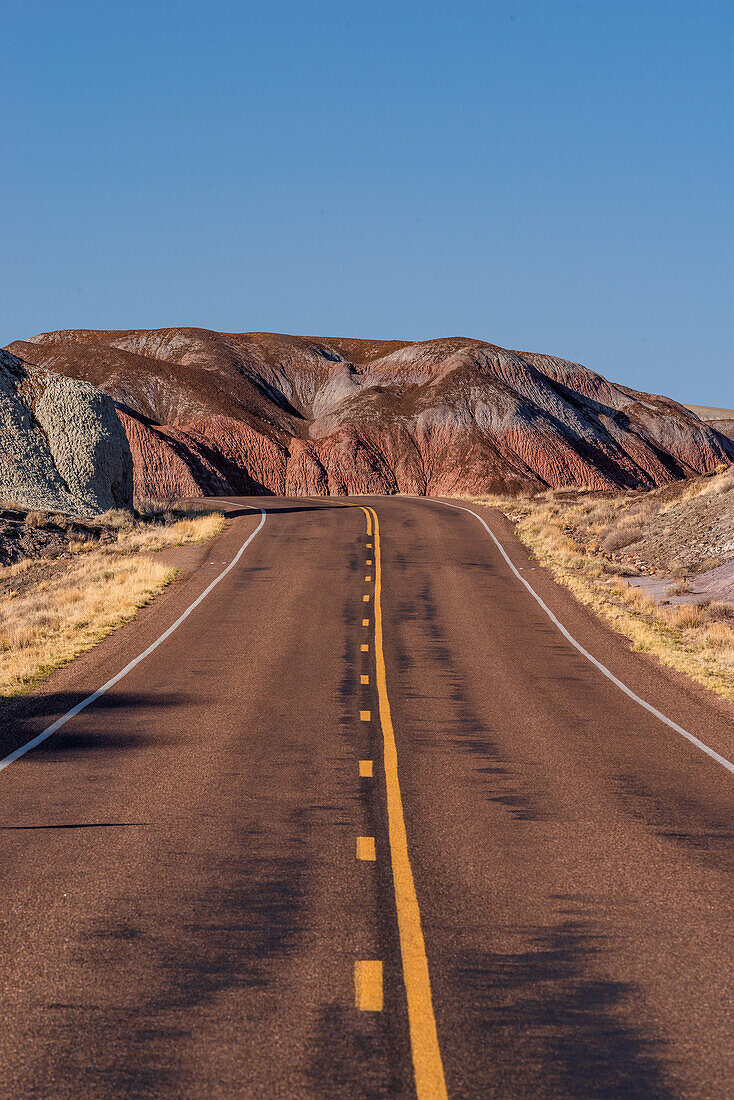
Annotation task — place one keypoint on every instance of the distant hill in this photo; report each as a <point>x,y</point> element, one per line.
<point>720,419</point>
<point>211,412</point>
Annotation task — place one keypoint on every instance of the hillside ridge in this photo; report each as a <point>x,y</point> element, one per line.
<point>213,412</point>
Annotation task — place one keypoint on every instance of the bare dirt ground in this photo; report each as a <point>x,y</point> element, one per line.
<point>30,534</point>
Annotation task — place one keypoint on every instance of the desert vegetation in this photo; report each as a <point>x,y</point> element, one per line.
<point>598,544</point>
<point>53,608</point>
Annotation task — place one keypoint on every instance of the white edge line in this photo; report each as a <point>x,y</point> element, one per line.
<point>585,653</point>
<point>23,749</point>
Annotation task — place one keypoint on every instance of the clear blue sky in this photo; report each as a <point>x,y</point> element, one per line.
<point>550,175</point>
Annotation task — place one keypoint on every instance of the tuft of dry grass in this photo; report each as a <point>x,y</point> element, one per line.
<point>82,546</point>
<point>622,536</point>
<point>117,518</point>
<point>45,625</point>
<point>18,567</point>
<point>687,615</point>
<point>171,510</point>
<point>679,588</point>
<point>35,519</point>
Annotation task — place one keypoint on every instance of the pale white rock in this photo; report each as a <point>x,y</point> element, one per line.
<point>62,446</point>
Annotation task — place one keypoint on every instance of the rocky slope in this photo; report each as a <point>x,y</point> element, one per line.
<point>720,419</point>
<point>209,412</point>
<point>62,446</point>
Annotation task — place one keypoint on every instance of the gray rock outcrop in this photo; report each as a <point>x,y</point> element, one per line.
<point>62,446</point>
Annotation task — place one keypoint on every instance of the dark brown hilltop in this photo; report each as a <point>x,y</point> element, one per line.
<point>210,412</point>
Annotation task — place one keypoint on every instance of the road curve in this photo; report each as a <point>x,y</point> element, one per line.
<point>365,824</point>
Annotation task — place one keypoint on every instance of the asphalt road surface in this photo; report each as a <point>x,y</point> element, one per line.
<point>365,824</point>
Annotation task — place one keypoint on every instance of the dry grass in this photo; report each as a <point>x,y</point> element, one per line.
<point>171,510</point>
<point>147,538</point>
<point>679,588</point>
<point>17,568</point>
<point>622,536</point>
<point>569,536</point>
<point>45,625</point>
<point>117,518</point>
<point>35,519</point>
<point>48,625</point>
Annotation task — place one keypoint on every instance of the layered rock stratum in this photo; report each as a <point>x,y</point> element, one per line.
<point>62,445</point>
<point>210,412</point>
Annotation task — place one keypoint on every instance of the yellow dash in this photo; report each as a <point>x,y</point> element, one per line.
<point>368,985</point>
<point>369,545</point>
<point>368,577</point>
<point>366,599</point>
<point>365,648</point>
<point>365,769</point>
<point>365,715</point>
<point>368,561</point>
<point>364,679</point>
<point>365,622</point>
<point>366,848</point>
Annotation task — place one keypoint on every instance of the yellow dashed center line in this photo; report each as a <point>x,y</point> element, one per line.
<point>368,561</point>
<point>365,715</point>
<point>364,679</point>
<point>365,622</point>
<point>368,985</point>
<point>365,647</point>
<point>366,848</point>
<point>430,1082</point>
<point>365,769</point>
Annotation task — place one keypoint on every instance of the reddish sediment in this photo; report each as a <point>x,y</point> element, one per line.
<point>249,413</point>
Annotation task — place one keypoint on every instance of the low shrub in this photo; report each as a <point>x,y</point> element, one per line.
<point>678,588</point>
<point>117,518</point>
<point>720,612</point>
<point>620,537</point>
<point>35,519</point>
<point>688,615</point>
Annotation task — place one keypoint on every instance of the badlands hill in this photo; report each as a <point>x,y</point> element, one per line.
<point>210,412</point>
<point>62,447</point>
<point>715,417</point>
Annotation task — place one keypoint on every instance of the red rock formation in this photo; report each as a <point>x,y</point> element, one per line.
<point>725,427</point>
<point>209,412</point>
<point>720,419</point>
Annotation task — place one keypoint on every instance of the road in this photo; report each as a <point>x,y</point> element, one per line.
<point>365,824</point>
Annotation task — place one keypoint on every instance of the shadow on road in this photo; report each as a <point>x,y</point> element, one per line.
<point>550,1004</point>
<point>273,509</point>
<point>24,718</point>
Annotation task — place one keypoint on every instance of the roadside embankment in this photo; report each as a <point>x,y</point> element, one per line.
<point>83,582</point>
<point>656,565</point>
